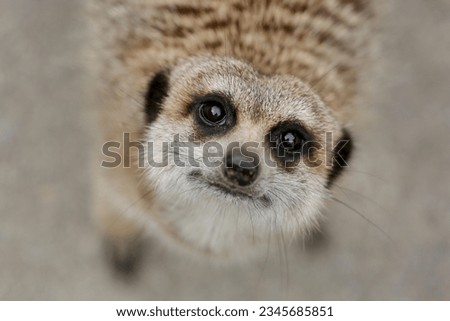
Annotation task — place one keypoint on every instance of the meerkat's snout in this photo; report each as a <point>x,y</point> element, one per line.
<point>239,169</point>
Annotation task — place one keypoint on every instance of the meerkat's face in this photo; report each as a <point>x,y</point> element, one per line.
<point>238,156</point>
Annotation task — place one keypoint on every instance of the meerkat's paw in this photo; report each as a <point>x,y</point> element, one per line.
<point>123,254</point>
<point>122,239</point>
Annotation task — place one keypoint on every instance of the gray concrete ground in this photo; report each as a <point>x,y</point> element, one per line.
<point>400,178</point>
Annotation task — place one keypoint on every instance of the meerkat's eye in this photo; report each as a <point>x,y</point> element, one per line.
<point>291,141</point>
<point>212,113</point>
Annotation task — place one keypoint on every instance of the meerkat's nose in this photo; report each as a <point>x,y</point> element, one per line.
<point>240,169</point>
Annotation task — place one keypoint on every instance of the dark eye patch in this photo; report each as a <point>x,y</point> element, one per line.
<point>157,91</point>
<point>341,155</point>
<point>213,114</point>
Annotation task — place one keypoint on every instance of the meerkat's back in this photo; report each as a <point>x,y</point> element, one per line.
<point>320,41</point>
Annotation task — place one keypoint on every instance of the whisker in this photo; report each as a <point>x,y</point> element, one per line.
<point>266,258</point>
<point>285,262</point>
<point>213,231</point>
<point>365,197</point>
<point>324,75</point>
<point>134,99</point>
<point>350,170</point>
<point>364,217</point>
<point>253,227</point>
<point>136,201</point>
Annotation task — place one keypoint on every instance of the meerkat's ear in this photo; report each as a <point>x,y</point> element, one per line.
<point>157,91</point>
<point>341,155</point>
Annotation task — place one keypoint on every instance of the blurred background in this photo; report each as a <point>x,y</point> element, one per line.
<point>400,178</point>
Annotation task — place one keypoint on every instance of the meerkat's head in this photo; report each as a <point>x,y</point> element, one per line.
<point>238,156</point>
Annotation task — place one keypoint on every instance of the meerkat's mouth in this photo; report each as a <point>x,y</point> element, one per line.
<point>230,190</point>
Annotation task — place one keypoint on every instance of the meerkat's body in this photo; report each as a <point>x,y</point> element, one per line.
<point>313,49</point>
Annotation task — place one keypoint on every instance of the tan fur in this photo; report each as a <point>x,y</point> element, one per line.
<point>311,51</point>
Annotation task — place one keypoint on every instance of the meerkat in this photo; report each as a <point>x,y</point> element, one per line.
<point>281,74</point>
